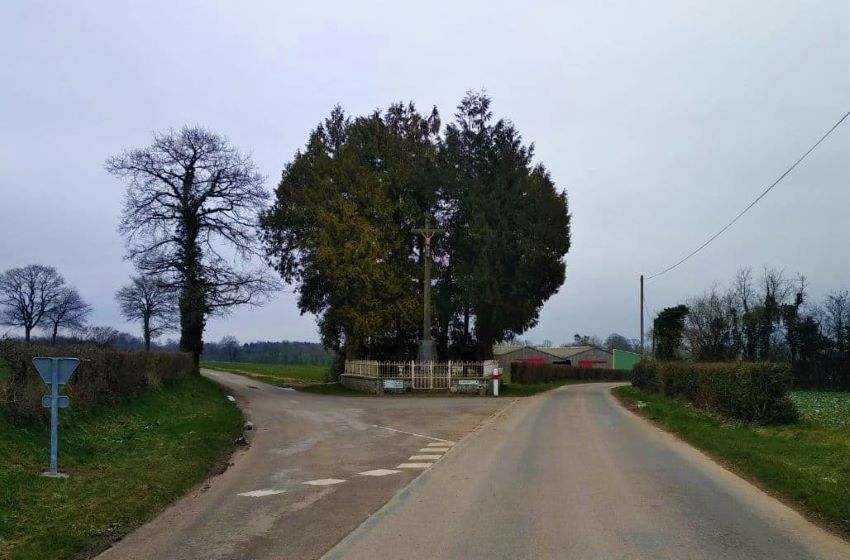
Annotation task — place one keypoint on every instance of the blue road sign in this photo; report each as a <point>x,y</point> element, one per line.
<point>65,369</point>
<point>55,372</point>
<point>62,402</point>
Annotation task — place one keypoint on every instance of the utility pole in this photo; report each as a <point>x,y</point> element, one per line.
<point>426,345</point>
<point>641,316</point>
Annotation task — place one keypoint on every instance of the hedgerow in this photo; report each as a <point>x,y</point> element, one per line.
<point>532,374</point>
<point>104,375</point>
<point>749,392</point>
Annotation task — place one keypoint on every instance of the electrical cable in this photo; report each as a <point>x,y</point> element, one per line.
<point>754,202</point>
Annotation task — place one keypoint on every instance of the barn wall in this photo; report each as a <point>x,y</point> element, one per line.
<point>594,354</point>
<point>505,360</point>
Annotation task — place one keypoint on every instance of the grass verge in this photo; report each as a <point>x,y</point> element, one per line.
<point>807,462</point>
<point>126,462</point>
<point>274,374</point>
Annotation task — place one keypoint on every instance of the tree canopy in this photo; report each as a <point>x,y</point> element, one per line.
<point>341,230</point>
<point>190,218</point>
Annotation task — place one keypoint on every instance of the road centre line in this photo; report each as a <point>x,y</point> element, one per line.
<point>414,465</point>
<point>261,493</point>
<point>434,450</point>
<point>444,441</point>
<point>425,457</point>
<point>379,472</point>
<point>324,481</point>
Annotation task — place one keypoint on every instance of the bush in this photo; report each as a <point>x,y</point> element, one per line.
<point>104,376</point>
<point>750,392</point>
<point>532,374</point>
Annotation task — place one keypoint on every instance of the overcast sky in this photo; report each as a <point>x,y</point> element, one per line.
<point>661,120</point>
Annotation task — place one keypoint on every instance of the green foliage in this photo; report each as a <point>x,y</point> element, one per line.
<point>341,227</point>
<point>742,391</point>
<point>507,232</point>
<point>667,329</point>
<point>126,461</point>
<point>104,376</point>
<point>342,230</point>
<point>806,461</point>
<point>532,374</point>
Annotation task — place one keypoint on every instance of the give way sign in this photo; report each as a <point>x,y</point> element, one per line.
<point>65,368</point>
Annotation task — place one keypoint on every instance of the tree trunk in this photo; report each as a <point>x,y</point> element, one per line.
<point>55,332</point>
<point>192,301</point>
<point>27,331</point>
<point>146,332</point>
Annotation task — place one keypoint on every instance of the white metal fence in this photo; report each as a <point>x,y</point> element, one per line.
<point>421,375</point>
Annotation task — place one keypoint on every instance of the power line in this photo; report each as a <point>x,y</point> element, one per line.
<point>754,202</point>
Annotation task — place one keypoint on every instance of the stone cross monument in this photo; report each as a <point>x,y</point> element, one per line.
<point>426,345</point>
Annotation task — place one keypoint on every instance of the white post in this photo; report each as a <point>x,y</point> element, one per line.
<point>496,374</point>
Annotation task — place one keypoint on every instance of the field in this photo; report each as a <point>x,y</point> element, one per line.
<point>126,462</point>
<point>274,374</point>
<point>807,462</point>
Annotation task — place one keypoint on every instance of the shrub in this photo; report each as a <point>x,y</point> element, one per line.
<point>104,376</point>
<point>750,392</point>
<point>532,374</point>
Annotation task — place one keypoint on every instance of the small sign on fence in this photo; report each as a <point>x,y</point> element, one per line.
<point>393,384</point>
<point>468,383</point>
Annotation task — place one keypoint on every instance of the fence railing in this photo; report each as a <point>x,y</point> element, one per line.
<point>421,375</point>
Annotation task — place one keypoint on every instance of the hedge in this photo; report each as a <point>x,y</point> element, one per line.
<point>104,376</point>
<point>531,374</point>
<point>749,392</point>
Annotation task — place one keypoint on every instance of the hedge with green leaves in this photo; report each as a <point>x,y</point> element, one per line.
<point>749,392</point>
<point>104,375</point>
<point>525,373</point>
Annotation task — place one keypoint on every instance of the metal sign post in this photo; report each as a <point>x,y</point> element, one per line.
<point>55,372</point>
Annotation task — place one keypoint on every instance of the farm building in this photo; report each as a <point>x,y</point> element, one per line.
<point>579,356</point>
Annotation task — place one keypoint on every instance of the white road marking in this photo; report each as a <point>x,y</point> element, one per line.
<point>261,493</point>
<point>379,472</point>
<point>414,465</point>
<point>444,441</point>
<point>424,457</point>
<point>433,450</point>
<point>324,481</point>
<point>447,444</point>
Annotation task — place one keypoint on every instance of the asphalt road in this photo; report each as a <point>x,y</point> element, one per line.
<point>316,468</point>
<point>572,475</point>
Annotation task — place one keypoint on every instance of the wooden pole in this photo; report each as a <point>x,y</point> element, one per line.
<point>641,316</point>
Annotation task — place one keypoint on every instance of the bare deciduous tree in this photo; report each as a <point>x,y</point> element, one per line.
<point>27,295</point>
<point>710,326</point>
<point>191,196</point>
<point>68,311</point>
<point>100,336</point>
<point>836,309</point>
<point>150,301</point>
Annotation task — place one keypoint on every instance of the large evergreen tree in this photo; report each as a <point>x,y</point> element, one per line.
<point>342,230</point>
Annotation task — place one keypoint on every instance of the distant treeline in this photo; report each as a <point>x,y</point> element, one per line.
<point>228,349</point>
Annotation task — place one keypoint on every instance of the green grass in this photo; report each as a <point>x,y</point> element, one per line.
<point>808,462</point>
<point>4,373</point>
<point>274,374</point>
<point>126,463</point>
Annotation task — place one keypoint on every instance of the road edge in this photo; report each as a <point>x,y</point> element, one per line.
<point>808,514</point>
